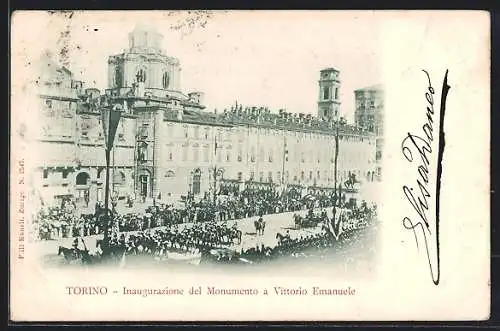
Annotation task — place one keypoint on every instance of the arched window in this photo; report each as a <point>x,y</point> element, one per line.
<point>119,178</point>
<point>143,152</point>
<point>165,80</point>
<point>326,93</point>
<point>82,178</point>
<point>118,77</point>
<point>141,75</point>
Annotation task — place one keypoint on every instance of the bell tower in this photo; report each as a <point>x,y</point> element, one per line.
<point>328,99</point>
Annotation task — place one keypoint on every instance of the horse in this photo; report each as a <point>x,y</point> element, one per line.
<point>256,223</point>
<point>297,221</point>
<point>88,258</point>
<point>115,251</point>
<point>350,182</point>
<point>68,253</point>
<point>236,235</point>
<point>262,227</point>
<point>281,237</point>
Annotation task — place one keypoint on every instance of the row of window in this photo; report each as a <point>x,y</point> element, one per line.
<point>140,76</point>
<point>198,132</point>
<point>83,178</point>
<point>327,93</point>
<point>311,176</point>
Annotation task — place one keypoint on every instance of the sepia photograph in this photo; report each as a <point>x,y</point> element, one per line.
<point>135,168</point>
<point>203,158</point>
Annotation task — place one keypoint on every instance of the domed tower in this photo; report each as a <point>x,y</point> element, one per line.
<point>328,99</point>
<point>144,65</point>
<point>145,39</point>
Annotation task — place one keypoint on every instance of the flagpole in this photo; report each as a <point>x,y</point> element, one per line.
<point>111,118</point>
<point>335,168</point>
<point>215,170</point>
<point>106,187</point>
<point>284,160</point>
<point>106,198</point>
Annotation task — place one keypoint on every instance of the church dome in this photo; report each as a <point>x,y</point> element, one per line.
<point>145,36</point>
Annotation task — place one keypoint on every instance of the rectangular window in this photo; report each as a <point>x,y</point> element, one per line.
<point>240,176</point>
<point>270,176</point>
<point>252,175</point>
<point>170,156</point>
<point>45,173</point>
<point>261,176</point>
<point>336,93</point>
<point>65,174</point>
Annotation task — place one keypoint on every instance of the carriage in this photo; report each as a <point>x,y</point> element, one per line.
<point>307,221</point>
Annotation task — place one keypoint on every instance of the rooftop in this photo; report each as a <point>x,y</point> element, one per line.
<point>263,117</point>
<point>330,69</point>
<point>377,87</point>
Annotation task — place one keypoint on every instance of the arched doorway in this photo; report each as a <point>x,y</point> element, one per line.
<point>82,189</point>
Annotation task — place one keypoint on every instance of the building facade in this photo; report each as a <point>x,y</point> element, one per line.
<point>168,145</point>
<point>369,114</point>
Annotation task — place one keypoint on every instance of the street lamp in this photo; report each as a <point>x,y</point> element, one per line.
<point>110,119</point>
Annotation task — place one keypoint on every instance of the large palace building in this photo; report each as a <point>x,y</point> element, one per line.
<point>167,144</point>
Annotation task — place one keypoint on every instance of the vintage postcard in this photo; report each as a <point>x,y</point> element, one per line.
<point>250,166</point>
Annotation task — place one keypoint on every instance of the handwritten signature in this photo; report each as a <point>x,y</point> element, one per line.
<point>419,148</point>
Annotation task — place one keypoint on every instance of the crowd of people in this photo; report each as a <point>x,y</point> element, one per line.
<point>221,241</point>
<point>63,221</point>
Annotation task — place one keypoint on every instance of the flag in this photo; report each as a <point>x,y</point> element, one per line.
<point>335,224</point>
<point>110,120</point>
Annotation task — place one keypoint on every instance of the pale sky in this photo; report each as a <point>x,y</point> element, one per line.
<point>269,58</point>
